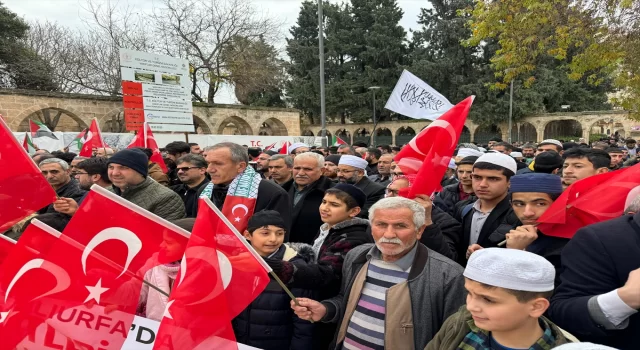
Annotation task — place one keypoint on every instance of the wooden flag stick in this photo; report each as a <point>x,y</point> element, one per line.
<point>156,288</point>
<point>284,287</point>
<point>502,243</point>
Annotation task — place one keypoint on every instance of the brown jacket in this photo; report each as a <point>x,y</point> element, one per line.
<point>155,172</point>
<point>456,328</point>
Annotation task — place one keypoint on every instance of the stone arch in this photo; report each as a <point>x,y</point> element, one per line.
<point>362,135</point>
<point>21,122</point>
<point>113,121</point>
<point>201,126</point>
<point>465,135</point>
<point>234,126</point>
<point>404,134</point>
<point>523,132</point>
<point>345,135</point>
<point>484,133</point>
<point>565,129</point>
<point>383,136</point>
<point>307,132</point>
<point>273,127</point>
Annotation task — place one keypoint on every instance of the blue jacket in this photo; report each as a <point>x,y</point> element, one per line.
<point>269,322</point>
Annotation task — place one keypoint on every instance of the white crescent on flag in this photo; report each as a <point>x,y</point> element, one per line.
<point>63,281</point>
<point>204,253</point>
<point>133,243</point>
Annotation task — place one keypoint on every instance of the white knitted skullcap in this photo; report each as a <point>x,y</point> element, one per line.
<point>452,164</point>
<point>482,149</point>
<point>511,269</point>
<point>466,152</point>
<point>297,145</point>
<point>583,346</point>
<point>516,154</point>
<point>353,161</point>
<point>551,141</point>
<point>499,159</point>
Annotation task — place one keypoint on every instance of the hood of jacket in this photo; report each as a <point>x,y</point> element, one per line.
<point>301,250</point>
<point>349,223</point>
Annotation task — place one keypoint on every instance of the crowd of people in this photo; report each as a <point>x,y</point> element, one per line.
<point>464,268</point>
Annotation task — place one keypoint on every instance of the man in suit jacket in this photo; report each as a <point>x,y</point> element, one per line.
<point>486,221</point>
<point>597,299</point>
<point>306,194</point>
<point>351,170</point>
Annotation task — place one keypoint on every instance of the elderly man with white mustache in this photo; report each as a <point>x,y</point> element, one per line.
<point>395,294</point>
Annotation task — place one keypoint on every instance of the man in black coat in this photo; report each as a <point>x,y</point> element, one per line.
<point>57,172</point>
<point>486,221</point>
<point>599,292</point>
<point>226,161</point>
<point>459,191</point>
<point>306,194</point>
<point>351,170</point>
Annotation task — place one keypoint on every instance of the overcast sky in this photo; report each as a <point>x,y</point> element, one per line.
<point>71,13</point>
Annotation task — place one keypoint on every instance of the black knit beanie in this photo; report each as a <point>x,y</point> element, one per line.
<point>265,218</point>
<point>132,158</point>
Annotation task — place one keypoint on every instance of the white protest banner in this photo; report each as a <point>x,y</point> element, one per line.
<point>416,99</point>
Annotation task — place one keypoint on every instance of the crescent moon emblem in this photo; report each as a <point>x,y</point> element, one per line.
<point>88,136</point>
<point>438,123</point>
<point>134,245</point>
<point>246,210</point>
<point>63,281</point>
<point>204,253</point>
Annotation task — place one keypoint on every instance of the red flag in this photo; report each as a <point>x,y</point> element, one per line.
<point>110,245</point>
<point>238,210</point>
<point>270,146</point>
<point>6,244</point>
<point>197,314</point>
<point>249,275</point>
<point>428,153</point>
<point>25,277</point>
<point>144,138</point>
<point>93,139</point>
<point>285,147</point>
<point>23,189</point>
<point>588,201</point>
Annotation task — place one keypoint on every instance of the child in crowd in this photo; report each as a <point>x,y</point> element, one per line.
<point>508,294</point>
<point>269,322</point>
<point>342,231</point>
<point>152,303</point>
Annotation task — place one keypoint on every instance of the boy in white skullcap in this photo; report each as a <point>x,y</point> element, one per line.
<point>508,291</point>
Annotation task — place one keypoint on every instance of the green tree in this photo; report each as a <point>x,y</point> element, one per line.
<point>303,85</point>
<point>20,67</point>
<point>590,40</point>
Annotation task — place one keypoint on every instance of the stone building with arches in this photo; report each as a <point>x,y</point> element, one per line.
<point>74,112</point>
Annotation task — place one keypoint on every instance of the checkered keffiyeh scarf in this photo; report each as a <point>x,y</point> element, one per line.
<point>244,185</point>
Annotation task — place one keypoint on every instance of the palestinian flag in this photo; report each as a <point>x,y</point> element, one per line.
<point>76,145</point>
<point>28,144</point>
<point>338,141</point>
<point>38,129</point>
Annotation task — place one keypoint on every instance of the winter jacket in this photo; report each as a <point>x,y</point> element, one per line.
<point>306,214</point>
<point>70,190</point>
<point>598,260</point>
<point>325,275</point>
<point>442,234</point>
<point>373,191</point>
<point>270,197</point>
<point>186,193</point>
<point>156,173</point>
<point>456,328</point>
<point>448,197</point>
<point>416,309</point>
<point>269,322</point>
<point>153,197</point>
<point>501,220</point>
<point>449,181</point>
<point>549,248</point>
<point>152,303</point>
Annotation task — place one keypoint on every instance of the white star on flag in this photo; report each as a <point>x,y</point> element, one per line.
<point>237,219</point>
<point>95,292</point>
<point>166,310</point>
<point>4,316</point>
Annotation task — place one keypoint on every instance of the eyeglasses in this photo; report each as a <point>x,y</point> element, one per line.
<point>186,168</point>
<point>390,192</point>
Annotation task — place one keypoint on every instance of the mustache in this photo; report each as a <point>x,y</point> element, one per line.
<point>390,240</point>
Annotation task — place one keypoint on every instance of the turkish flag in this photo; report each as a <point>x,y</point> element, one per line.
<point>144,138</point>
<point>25,277</point>
<point>588,201</point>
<point>23,189</point>
<point>197,314</point>
<point>238,210</point>
<point>6,245</point>
<point>428,153</point>
<point>285,147</point>
<point>92,139</point>
<point>249,275</point>
<point>270,146</point>
<point>110,244</point>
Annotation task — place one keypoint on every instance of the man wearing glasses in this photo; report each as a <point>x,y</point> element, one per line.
<point>191,170</point>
